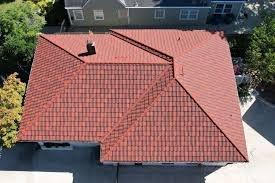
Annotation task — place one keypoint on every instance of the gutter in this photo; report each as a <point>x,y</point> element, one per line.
<point>168,7</point>
<point>77,7</point>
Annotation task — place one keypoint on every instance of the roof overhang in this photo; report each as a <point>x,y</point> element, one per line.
<point>169,7</point>
<point>228,1</point>
<point>76,7</point>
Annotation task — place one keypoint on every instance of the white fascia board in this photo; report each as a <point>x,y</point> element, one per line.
<point>80,7</point>
<point>170,163</point>
<point>68,8</point>
<point>227,1</point>
<point>122,2</point>
<point>86,3</point>
<point>171,7</point>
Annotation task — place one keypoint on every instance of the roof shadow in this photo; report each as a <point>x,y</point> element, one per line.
<point>83,54</point>
<point>261,117</point>
<point>82,163</point>
<point>167,3</point>
<point>164,174</point>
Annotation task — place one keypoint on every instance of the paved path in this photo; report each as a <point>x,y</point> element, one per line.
<point>35,177</point>
<point>261,117</point>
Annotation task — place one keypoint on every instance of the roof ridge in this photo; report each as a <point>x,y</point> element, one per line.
<point>212,121</point>
<point>211,38</point>
<point>45,107</point>
<point>137,109</point>
<point>169,84</point>
<point>42,36</point>
<point>140,45</point>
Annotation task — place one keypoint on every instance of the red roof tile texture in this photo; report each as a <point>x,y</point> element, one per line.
<point>145,96</point>
<point>175,129</point>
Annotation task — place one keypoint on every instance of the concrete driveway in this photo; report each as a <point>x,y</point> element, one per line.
<point>261,117</point>
<point>258,121</point>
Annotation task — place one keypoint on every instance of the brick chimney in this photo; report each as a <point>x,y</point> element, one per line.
<point>90,47</point>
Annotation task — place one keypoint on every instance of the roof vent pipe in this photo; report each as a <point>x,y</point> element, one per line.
<point>90,47</point>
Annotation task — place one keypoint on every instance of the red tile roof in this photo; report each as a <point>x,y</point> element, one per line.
<point>145,96</point>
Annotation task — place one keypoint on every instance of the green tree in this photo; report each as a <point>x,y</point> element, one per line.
<point>11,97</point>
<point>19,25</point>
<point>260,55</point>
<point>43,5</point>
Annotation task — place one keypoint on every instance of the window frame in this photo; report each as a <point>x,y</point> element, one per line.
<point>155,13</point>
<point>98,13</point>
<point>227,8</point>
<point>183,11</point>
<point>223,8</point>
<point>79,10</point>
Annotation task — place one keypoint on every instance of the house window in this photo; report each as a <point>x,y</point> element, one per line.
<point>227,9</point>
<point>189,14</point>
<point>223,8</point>
<point>78,14</point>
<point>98,15</point>
<point>159,14</point>
<point>123,13</point>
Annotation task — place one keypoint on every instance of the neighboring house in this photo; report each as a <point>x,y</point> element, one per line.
<point>147,12</point>
<point>144,96</point>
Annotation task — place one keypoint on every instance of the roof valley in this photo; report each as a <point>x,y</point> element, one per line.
<point>136,111</point>
<point>142,46</point>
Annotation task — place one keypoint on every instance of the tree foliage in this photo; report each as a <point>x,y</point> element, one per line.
<point>19,25</point>
<point>11,97</point>
<point>43,5</point>
<point>260,55</point>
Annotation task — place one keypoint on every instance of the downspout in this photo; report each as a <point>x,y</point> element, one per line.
<point>240,11</point>
<point>128,16</point>
<point>69,17</point>
<point>117,171</point>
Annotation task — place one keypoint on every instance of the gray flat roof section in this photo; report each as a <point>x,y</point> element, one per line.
<point>165,3</point>
<point>75,3</point>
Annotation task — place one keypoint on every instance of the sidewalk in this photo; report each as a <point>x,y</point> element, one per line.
<point>35,177</point>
